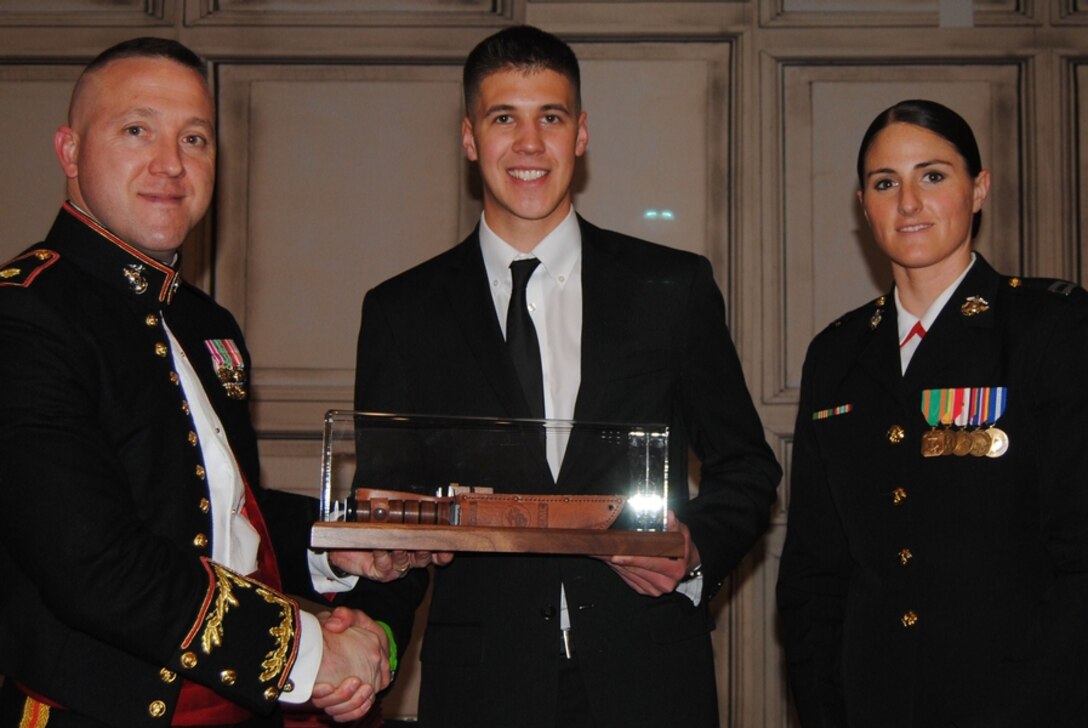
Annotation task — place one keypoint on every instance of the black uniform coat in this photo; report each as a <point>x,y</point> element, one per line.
<point>655,348</point>
<point>109,596</point>
<point>942,591</point>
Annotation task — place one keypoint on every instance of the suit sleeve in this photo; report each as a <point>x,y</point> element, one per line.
<point>812,579</point>
<point>380,387</point>
<point>739,475</point>
<point>69,519</point>
<point>50,659</point>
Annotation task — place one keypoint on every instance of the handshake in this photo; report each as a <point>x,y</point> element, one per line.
<point>354,664</point>
<point>355,661</point>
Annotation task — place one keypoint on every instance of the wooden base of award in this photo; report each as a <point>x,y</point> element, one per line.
<point>338,535</point>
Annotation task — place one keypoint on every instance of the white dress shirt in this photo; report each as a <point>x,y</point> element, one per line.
<point>235,541</point>
<point>554,298</point>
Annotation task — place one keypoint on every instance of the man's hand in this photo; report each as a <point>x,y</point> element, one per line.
<point>386,566</point>
<point>354,664</point>
<point>656,575</point>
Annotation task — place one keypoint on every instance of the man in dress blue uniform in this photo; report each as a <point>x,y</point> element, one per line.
<point>140,585</point>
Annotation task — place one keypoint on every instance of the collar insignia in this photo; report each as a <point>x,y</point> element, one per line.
<point>878,314</point>
<point>134,274</point>
<point>974,305</point>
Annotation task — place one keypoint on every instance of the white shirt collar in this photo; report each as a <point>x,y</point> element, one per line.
<point>559,252</point>
<point>906,319</point>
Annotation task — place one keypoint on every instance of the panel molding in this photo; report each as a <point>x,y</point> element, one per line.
<point>1072,12</point>
<point>77,13</point>
<point>348,13</point>
<point>868,13</point>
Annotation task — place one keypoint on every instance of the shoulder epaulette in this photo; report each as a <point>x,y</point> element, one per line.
<point>874,310</point>
<point>1056,286</point>
<point>23,270</point>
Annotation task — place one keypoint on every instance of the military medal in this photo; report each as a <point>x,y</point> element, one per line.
<point>937,406</point>
<point>999,442</point>
<point>963,443</point>
<point>980,443</point>
<point>978,407</point>
<point>933,443</point>
<point>987,406</point>
<point>229,366</point>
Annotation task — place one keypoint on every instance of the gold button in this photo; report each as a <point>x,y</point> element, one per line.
<point>288,686</point>
<point>151,320</point>
<point>881,301</point>
<point>200,541</point>
<point>167,676</point>
<point>270,694</point>
<point>200,471</point>
<point>162,349</point>
<point>205,506</point>
<point>896,434</point>
<point>1014,282</point>
<point>188,660</point>
<point>175,378</point>
<point>192,438</point>
<point>904,556</point>
<point>185,407</point>
<point>909,618</point>
<point>157,709</point>
<point>228,677</point>
<point>898,496</point>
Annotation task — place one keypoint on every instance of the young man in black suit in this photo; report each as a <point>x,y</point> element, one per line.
<point>627,331</point>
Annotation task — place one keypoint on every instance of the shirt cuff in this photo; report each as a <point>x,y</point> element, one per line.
<point>304,671</point>
<point>324,579</point>
<point>692,588</point>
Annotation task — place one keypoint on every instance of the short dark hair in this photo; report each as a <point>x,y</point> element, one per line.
<point>934,117</point>
<point>521,47</point>
<point>144,47</point>
<point>148,47</point>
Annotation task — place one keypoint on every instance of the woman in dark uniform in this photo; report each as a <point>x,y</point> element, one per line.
<point>935,570</point>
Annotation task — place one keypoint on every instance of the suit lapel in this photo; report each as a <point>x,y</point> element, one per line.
<point>469,297</point>
<point>604,292</point>
<point>603,312</point>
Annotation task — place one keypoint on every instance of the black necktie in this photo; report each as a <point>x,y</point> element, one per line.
<point>521,338</point>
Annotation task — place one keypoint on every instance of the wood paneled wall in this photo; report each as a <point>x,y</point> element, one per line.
<point>340,165</point>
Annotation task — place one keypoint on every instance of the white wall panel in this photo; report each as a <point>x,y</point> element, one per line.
<point>35,103</point>
<point>333,179</point>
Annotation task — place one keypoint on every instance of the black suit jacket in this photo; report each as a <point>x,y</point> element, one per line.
<point>655,348</point>
<point>989,555</point>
